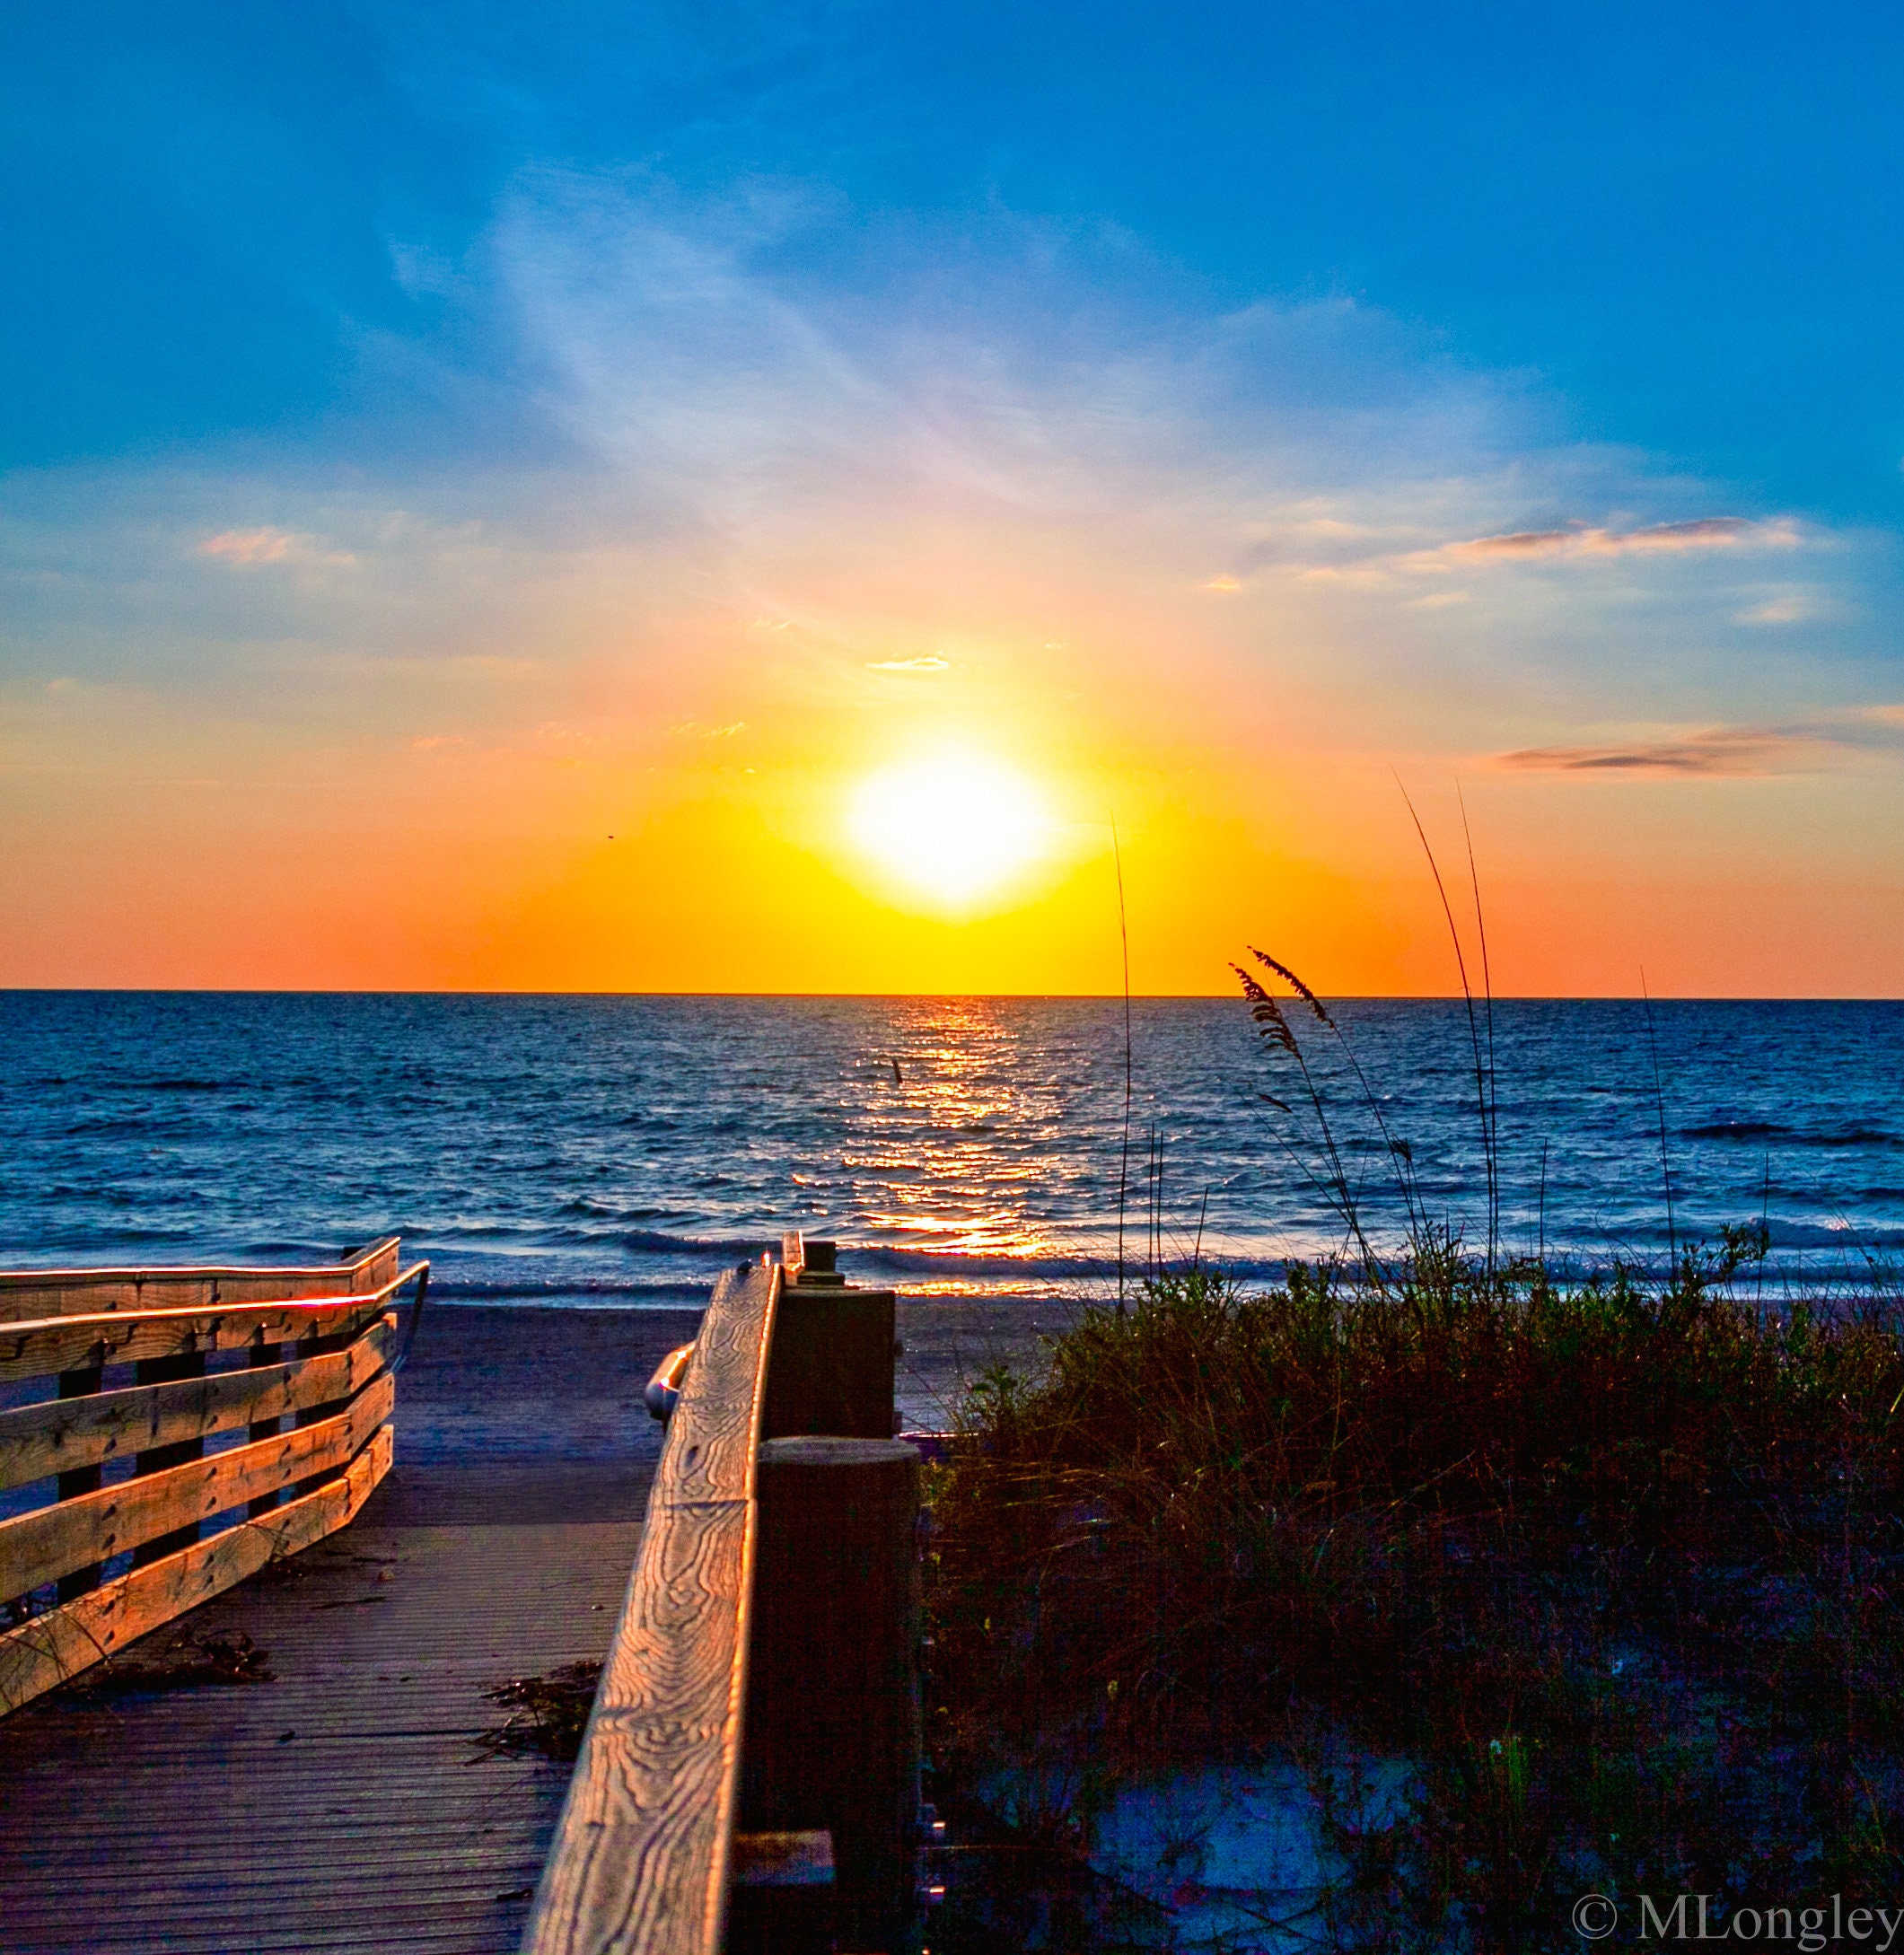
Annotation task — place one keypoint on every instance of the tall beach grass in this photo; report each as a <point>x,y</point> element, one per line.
<point>1600,1570</point>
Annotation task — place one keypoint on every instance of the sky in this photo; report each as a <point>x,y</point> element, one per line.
<point>814,498</point>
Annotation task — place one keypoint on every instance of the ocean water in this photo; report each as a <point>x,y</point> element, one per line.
<point>620,1150</point>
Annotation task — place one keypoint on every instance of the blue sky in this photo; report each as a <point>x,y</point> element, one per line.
<point>1316,393</point>
<point>1682,220</point>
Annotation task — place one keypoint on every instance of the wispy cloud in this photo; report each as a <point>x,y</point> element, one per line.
<point>1697,533</point>
<point>1731,751</point>
<point>248,548</point>
<point>1788,607</point>
<point>1724,751</point>
<point>746,476</point>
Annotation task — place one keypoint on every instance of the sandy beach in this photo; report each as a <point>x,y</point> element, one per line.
<point>508,1397</point>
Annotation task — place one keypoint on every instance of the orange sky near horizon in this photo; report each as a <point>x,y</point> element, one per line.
<point>445,864</point>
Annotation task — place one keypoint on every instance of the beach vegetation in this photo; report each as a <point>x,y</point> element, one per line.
<point>1543,1581</point>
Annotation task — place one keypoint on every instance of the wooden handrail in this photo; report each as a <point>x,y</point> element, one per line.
<point>640,1857</point>
<point>36,1347</point>
<point>774,1598</point>
<point>55,1435</point>
<point>62,1292</point>
<point>47,1542</point>
<point>47,1649</point>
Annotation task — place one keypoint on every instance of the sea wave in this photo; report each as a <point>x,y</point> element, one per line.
<point>624,1151</point>
<point>1851,1134</point>
<point>654,1242</point>
<point>901,1259</point>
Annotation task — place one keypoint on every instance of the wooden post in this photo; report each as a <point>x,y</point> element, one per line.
<point>260,1355</point>
<point>309,1347</point>
<point>369,1266</point>
<point>830,1737</point>
<point>80,1384</point>
<point>157,1459</point>
<point>831,1371</point>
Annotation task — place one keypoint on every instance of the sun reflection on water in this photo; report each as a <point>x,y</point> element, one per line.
<point>965,1158</point>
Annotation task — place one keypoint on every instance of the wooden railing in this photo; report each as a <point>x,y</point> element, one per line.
<point>751,1762</point>
<point>292,1369</point>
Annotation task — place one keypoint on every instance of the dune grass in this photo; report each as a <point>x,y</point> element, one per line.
<point>1611,1565</point>
<point>1601,1569</point>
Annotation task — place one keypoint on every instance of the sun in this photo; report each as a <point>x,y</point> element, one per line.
<point>954,827</point>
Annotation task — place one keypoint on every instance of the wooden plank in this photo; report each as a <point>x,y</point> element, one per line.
<point>51,1648</point>
<point>44,1544</point>
<point>640,1859</point>
<point>32,1349</point>
<point>67,1292</point>
<point>59,1436</point>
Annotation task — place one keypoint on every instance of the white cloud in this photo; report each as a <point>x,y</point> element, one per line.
<point>1788,607</point>
<point>1674,538</point>
<point>247,548</point>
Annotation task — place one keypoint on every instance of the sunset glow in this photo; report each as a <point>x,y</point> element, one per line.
<point>637,495</point>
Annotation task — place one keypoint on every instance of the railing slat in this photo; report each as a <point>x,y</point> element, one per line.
<point>60,1435</point>
<point>39,1346</point>
<point>640,1856</point>
<point>39,1546</point>
<point>49,1649</point>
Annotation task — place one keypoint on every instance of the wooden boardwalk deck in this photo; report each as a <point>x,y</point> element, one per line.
<point>346,1804</point>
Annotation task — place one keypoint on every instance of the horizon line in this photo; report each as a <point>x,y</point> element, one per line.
<point>1145,997</point>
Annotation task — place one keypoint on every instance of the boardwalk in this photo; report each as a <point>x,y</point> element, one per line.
<point>345,1805</point>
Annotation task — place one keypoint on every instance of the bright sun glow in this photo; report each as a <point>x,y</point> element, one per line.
<point>954,826</point>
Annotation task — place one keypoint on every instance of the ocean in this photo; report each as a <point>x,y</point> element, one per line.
<point>619,1149</point>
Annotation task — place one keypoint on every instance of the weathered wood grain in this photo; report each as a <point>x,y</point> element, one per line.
<point>37,1347</point>
<point>59,1435</point>
<point>40,1546</point>
<point>717,1425</point>
<point>86,1292</point>
<point>49,1650</point>
<point>640,1859</point>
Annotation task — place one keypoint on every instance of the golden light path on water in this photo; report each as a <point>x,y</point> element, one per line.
<point>953,1172</point>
